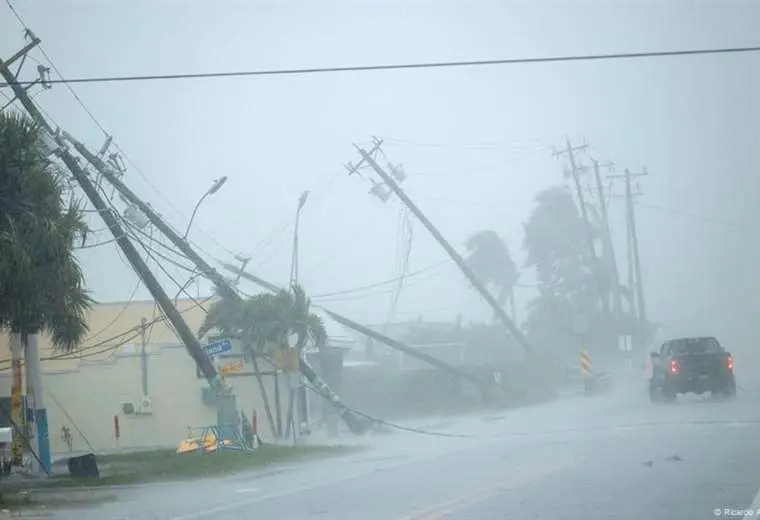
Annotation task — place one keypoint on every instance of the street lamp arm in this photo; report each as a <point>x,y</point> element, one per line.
<point>195,210</point>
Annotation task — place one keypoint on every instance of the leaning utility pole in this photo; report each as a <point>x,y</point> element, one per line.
<point>575,174</point>
<point>609,246</point>
<point>453,254</point>
<point>365,331</point>
<point>121,237</point>
<point>130,252</point>
<point>224,286</point>
<point>635,263</point>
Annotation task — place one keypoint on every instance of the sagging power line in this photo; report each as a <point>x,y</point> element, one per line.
<point>403,66</point>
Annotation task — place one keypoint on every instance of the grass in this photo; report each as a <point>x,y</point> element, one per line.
<point>162,465</point>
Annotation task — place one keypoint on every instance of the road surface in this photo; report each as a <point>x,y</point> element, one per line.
<point>613,456</point>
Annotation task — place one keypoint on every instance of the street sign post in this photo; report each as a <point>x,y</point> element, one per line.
<point>217,347</point>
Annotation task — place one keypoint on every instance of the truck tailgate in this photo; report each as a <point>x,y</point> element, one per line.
<point>702,364</point>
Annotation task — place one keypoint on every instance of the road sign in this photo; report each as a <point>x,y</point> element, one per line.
<point>231,368</point>
<point>217,347</point>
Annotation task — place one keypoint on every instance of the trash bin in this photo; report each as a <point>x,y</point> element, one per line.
<point>84,466</point>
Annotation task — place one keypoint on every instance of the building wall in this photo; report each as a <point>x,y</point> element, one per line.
<point>86,389</point>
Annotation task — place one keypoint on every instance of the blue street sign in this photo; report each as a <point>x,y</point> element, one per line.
<point>217,347</point>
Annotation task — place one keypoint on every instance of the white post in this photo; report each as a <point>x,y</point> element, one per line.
<point>307,404</point>
<point>41,440</point>
<point>31,403</point>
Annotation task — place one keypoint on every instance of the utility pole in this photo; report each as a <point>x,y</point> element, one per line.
<point>634,242</point>
<point>410,351</point>
<point>575,174</point>
<point>299,393</point>
<point>144,356</point>
<point>224,286</point>
<point>453,254</point>
<point>121,237</point>
<point>634,261</point>
<point>609,246</point>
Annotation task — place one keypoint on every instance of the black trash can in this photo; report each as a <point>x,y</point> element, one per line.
<point>84,466</point>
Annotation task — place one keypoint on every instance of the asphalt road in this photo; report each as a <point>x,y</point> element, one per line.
<point>613,456</point>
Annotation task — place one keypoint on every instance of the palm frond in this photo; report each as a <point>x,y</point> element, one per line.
<point>41,280</point>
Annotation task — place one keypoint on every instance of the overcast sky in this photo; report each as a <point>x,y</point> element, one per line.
<point>475,142</point>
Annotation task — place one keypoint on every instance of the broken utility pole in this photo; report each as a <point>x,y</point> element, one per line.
<point>224,286</point>
<point>401,347</point>
<point>453,254</point>
<point>397,345</point>
<point>59,148</point>
<point>122,239</point>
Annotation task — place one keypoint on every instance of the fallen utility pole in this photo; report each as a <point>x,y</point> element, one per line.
<point>382,338</point>
<point>224,286</point>
<point>455,256</point>
<point>122,239</point>
<point>401,347</point>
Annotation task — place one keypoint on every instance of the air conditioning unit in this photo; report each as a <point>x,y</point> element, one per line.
<point>146,406</point>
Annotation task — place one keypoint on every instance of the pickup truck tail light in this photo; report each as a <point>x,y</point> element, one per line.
<point>674,368</point>
<point>730,363</point>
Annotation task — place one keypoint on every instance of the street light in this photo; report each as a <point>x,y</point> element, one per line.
<point>294,261</point>
<point>218,183</point>
<point>298,392</point>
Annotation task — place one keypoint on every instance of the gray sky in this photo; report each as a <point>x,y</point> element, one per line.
<point>475,142</point>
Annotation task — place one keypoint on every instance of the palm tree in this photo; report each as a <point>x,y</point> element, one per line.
<point>490,260</point>
<point>41,282</point>
<point>264,323</point>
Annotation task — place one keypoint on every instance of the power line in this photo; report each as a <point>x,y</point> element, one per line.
<point>694,216</point>
<point>383,283</point>
<point>98,244</point>
<point>389,424</point>
<point>150,252</point>
<point>380,291</point>
<point>135,331</point>
<point>102,128</point>
<point>121,311</point>
<point>405,66</point>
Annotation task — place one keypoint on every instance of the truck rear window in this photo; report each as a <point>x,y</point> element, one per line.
<point>696,346</point>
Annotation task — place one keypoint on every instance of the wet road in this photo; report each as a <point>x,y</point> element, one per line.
<point>614,456</point>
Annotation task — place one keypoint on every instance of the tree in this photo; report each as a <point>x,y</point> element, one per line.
<point>41,282</point>
<point>555,244</point>
<point>264,323</point>
<point>490,260</point>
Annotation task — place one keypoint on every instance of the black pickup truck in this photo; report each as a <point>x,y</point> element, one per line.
<point>695,365</point>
